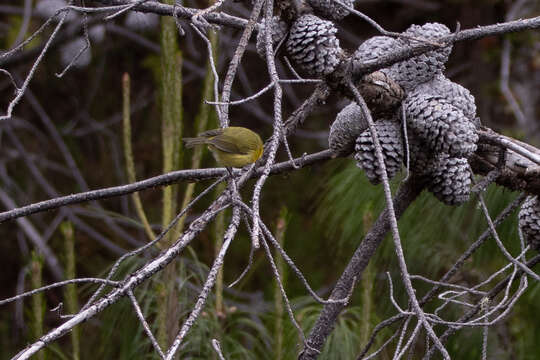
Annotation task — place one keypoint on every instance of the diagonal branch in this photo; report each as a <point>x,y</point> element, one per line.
<point>406,194</point>
<point>160,180</point>
<point>131,281</point>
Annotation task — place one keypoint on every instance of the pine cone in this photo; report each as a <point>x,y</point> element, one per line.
<point>382,94</point>
<point>389,134</point>
<point>313,45</point>
<point>329,9</point>
<point>420,155</point>
<point>372,49</point>
<point>454,93</point>
<point>349,123</point>
<point>429,31</point>
<point>279,30</point>
<point>442,126</point>
<point>529,221</point>
<point>450,179</point>
<point>414,71</point>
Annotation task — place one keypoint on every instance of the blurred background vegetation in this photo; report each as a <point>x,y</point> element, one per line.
<point>321,212</point>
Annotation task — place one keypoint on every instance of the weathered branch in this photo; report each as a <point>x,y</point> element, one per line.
<point>521,161</point>
<point>447,276</point>
<point>491,295</point>
<point>158,8</point>
<point>160,180</point>
<point>407,193</point>
<point>131,281</point>
<point>516,175</point>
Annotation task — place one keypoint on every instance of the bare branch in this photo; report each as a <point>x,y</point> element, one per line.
<point>59,284</point>
<point>235,62</point>
<point>24,86</point>
<point>406,194</point>
<point>160,180</point>
<point>145,325</point>
<point>491,295</point>
<point>130,282</point>
<point>158,8</point>
<point>158,238</point>
<point>217,347</point>
<point>208,285</point>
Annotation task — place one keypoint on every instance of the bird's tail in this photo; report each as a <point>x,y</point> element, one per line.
<point>191,142</point>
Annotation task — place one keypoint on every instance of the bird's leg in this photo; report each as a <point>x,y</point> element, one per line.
<point>230,171</point>
<point>232,181</point>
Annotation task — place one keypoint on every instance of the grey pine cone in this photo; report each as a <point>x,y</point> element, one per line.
<point>419,69</point>
<point>313,45</point>
<point>420,155</point>
<point>442,126</point>
<point>349,123</point>
<point>450,179</point>
<point>389,134</point>
<point>372,49</point>
<point>454,93</point>
<point>529,221</point>
<point>329,9</point>
<point>279,30</point>
<point>429,31</point>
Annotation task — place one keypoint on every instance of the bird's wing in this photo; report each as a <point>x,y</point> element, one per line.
<point>225,143</point>
<point>211,133</point>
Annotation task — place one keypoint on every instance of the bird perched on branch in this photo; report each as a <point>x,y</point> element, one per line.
<point>232,146</point>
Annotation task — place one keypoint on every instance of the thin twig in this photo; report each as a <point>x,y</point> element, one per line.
<point>380,29</point>
<point>235,62</point>
<point>164,232</point>
<point>86,47</point>
<point>500,244</point>
<point>208,285</point>
<point>246,269</point>
<point>211,55</point>
<point>126,8</point>
<point>199,20</point>
<point>491,295</point>
<point>217,348</point>
<point>291,263</point>
<point>26,82</point>
<point>59,284</point>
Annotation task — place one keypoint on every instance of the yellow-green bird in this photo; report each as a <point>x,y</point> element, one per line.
<point>232,146</point>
